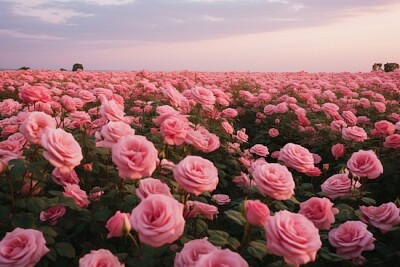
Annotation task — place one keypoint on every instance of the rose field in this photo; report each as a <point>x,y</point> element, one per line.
<point>199,169</point>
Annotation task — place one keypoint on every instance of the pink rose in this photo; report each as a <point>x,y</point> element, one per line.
<point>22,247</point>
<point>224,257</point>
<point>30,94</point>
<point>195,208</point>
<point>351,239</point>
<point>221,199</point>
<point>337,126</point>
<point>34,125</point>
<point>10,150</point>
<point>202,140</point>
<point>203,96</point>
<point>113,131</point>
<point>64,177</point>
<point>274,180</point>
<point>296,157</point>
<point>380,107</point>
<point>68,103</point>
<point>31,188</point>
<point>338,151</point>
<point>192,251</point>
<point>256,212</point>
<point>365,163</point>
<point>118,224</point>
<point>9,106</point>
<point>151,186</point>
<point>61,149</point>
<point>293,237</point>
<point>273,132</point>
<point>100,257</point>
<point>196,175</point>
<point>337,185</point>
<point>354,133</point>
<point>229,113</point>
<point>77,194</point>
<point>349,117</point>
<point>241,136</point>
<point>392,141</point>
<point>52,214</point>
<point>227,127</point>
<point>112,111</point>
<point>383,217</point>
<point>135,157</point>
<point>174,130</point>
<point>158,219</point>
<point>259,150</point>
<point>320,211</point>
<point>383,127</point>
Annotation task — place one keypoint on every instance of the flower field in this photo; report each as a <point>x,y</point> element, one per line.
<point>199,169</point>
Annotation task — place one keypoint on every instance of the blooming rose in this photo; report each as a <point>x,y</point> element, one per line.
<point>118,224</point>
<point>135,157</point>
<point>158,219</point>
<point>292,236</point>
<point>9,106</point>
<point>274,180</point>
<point>229,113</point>
<point>221,199</point>
<point>100,257</point>
<point>273,132</point>
<point>174,130</point>
<point>349,117</point>
<point>113,131</point>
<point>338,150</point>
<point>227,127</point>
<point>52,214</point>
<point>383,217</point>
<point>77,194</point>
<point>241,136</point>
<point>320,211</point>
<point>61,149</point>
<point>259,150</point>
<point>196,175</point>
<point>355,133</point>
<point>192,251</point>
<point>337,185</point>
<point>34,125</point>
<point>224,257</point>
<point>194,208</point>
<point>203,96</point>
<point>22,247</point>
<point>64,177</point>
<point>112,111</point>
<point>392,141</point>
<point>365,163</point>
<point>30,94</point>
<point>151,186</point>
<point>383,127</point>
<point>202,140</point>
<point>351,239</point>
<point>296,157</point>
<point>256,212</point>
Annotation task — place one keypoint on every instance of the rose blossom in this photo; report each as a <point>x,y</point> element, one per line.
<point>118,224</point>
<point>112,111</point>
<point>9,106</point>
<point>349,117</point>
<point>113,131</point>
<point>158,219</point>
<point>202,140</point>
<point>135,157</point>
<point>229,113</point>
<point>296,157</point>
<point>337,185</point>
<point>383,217</point>
<point>392,141</point>
<point>274,180</point>
<point>52,214</point>
<point>194,208</point>
<point>196,175</point>
<point>151,186</point>
<point>320,211</point>
<point>256,212</point>
<point>273,132</point>
<point>22,247</point>
<point>100,257</point>
<point>259,150</point>
<point>383,127</point>
<point>292,236</point>
<point>31,94</point>
<point>241,136</point>
<point>365,163</point>
<point>77,194</point>
<point>64,177</point>
<point>355,133</point>
<point>221,199</point>
<point>34,125</point>
<point>338,151</point>
<point>351,239</point>
<point>174,130</point>
<point>61,149</point>
<point>203,96</point>
<point>192,251</point>
<point>218,258</point>
<point>227,127</point>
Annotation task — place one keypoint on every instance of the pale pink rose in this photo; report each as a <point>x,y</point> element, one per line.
<point>218,258</point>
<point>9,130</point>
<point>355,133</point>
<point>221,199</point>
<point>22,247</point>
<point>61,149</point>
<point>274,180</point>
<point>281,108</point>
<point>317,158</point>
<point>350,239</point>
<point>380,107</point>
<point>337,126</point>
<point>10,150</point>
<point>320,211</point>
<point>19,137</point>
<point>68,103</point>
<point>273,132</point>
<point>88,167</point>
<point>192,251</point>
<point>383,217</point>
<point>227,127</point>
<point>245,161</point>
<point>229,113</point>
<point>275,154</point>
<point>195,208</point>
<point>269,109</point>
<point>338,185</point>
<point>365,163</point>
<point>118,224</point>
<point>392,141</point>
<point>363,120</point>
<point>112,111</point>
<point>167,164</point>
<point>77,194</point>
<point>135,157</point>
<point>52,214</point>
<point>174,130</point>
<point>9,106</point>
<point>112,132</point>
<point>203,140</point>
<point>63,177</point>
<point>150,186</point>
<point>243,180</point>
<point>164,112</point>
<point>259,150</point>
<point>173,95</point>
<point>256,212</point>
<point>203,96</point>
<point>256,163</point>
<point>78,119</point>
<point>241,136</point>
<point>330,109</point>
<point>349,117</point>
<point>383,127</point>
<point>86,96</point>
<point>296,157</point>
<point>30,94</point>
<point>31,188</point>
<point>34,125</point>
<point>158,219</point>
<point>338,151</point>
<point>293,237</point>
<point>196,175</point>
<point>100,257</point>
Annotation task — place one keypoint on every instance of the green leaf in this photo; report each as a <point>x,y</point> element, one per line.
<point>52,254</point>
<point>332,257</point>
<point>236,216</point>
<point>23,220</point>
<point>65,250</point>
<point>36,204</point>
<point>5,214</point>
<point>47,230</point>
<point>306,186</point>
<point>102,215</point>
<point>233,243</point>
<point>218,238</point>
<point>17,170</point>
<point>257,249</point>
<point>368,201</point>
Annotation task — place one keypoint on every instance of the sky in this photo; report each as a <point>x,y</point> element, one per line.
<point>200,35</point>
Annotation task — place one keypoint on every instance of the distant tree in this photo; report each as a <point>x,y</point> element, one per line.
<point>24,68</point>
<point>77,66</point>
<point>62,69</point>
<point>377,67</point>
<point>390,67</point>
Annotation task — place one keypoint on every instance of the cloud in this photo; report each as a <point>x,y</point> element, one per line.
<point>18,34</point>
<point>213,19</point>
